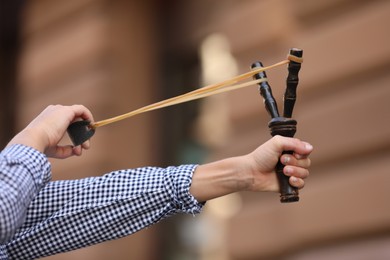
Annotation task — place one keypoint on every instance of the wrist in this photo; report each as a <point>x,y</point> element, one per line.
<point>220,178</point>
<point>29,137</point>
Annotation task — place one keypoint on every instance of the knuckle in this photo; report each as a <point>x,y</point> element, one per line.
<point>279,140</point>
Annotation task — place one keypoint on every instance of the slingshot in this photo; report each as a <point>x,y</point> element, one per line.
<point>81,131</point>
<point>282,125</point>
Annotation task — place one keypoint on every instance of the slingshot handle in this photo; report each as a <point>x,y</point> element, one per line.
<point>284,127</point>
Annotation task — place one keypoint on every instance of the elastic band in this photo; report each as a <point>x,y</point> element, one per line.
<point>294,58</point>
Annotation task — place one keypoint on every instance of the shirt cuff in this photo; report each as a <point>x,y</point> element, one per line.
<point>34,161</point>
<point>182,179</point>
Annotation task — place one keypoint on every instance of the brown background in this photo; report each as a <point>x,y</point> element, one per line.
<point>116,56</point>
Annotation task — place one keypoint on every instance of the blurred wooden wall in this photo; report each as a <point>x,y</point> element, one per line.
<point>343,109</point>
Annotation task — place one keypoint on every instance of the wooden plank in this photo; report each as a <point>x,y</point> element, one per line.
<point>45,13</point>
<point>55,56</point>
<point>351,44</point>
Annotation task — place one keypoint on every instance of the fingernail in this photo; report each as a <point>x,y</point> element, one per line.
<point>288,170</point>
<point>308,146</point>
<point>294,179</point>
<point>286,159</point>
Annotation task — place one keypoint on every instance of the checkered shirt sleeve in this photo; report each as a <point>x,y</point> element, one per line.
<point>67,215</point>
<point>23,173</point>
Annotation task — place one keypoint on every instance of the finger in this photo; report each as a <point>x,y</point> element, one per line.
<point>81,111</point>
<point>297,182</point>
<point>86,145</point>
<point>60,152</point>
<point>308,148</point>
<point>77,150</point>
<point>300,156</point>
<point>293,144</point>
<point>288,159</point>
<point>298,172</point>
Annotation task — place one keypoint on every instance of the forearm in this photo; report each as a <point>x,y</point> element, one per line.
<point>23,172</point>
<point>13,204</point>
<point>220,178</point>
<point>67,215</point>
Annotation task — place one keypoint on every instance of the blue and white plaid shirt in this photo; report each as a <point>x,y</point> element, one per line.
<point>39,217</point>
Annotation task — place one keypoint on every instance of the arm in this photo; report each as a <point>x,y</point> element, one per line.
<point>67,215</point>
<point>254,171</point>
<point>79,213</point>
<point>24,170</point>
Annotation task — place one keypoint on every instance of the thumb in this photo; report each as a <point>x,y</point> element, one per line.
<point>293,144</point>
<point>63,152</point>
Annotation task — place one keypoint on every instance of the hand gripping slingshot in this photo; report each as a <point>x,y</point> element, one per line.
<point>81,131</point>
